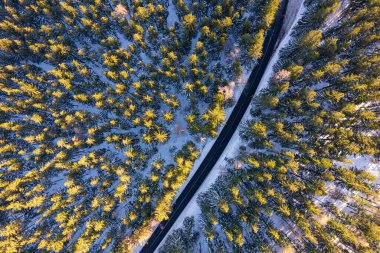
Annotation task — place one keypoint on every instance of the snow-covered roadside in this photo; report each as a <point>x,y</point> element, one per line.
<point>192,208</point>
<point>238,89</point>
<point>291,15</point>
<point>284,42</point>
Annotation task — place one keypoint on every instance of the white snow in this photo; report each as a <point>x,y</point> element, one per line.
<point>124,42</point>
<point>144,57</point>
<point>45,66</point>
<point>365,163</point>
<point>333,18</point>
<point>368,164</point>
<point>172,17</point>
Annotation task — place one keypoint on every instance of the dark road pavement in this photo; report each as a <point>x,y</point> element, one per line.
<point>224,136</point>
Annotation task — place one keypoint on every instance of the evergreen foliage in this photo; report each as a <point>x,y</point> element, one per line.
<point>297,190</point>
<point>101,104</point>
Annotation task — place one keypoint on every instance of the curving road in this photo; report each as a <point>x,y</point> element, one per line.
<point>224,136</point>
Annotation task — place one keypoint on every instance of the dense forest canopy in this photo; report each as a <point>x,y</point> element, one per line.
<point>297,189</point>
<point>102,105</point>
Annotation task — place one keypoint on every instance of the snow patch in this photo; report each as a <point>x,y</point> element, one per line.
<point>172,17</point>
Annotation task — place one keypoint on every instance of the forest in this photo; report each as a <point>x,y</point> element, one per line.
<point>104,108</point>
<point>294,186</point>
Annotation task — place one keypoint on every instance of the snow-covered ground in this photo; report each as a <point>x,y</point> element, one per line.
<point>172,17</point>
<point>365,163</point>
<point>333,18</point>
<point>231,150</point>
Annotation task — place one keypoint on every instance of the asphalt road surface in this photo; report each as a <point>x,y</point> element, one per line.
<point>224,136</point>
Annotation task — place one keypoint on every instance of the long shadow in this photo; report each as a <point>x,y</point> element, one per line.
<point>224,136</point>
